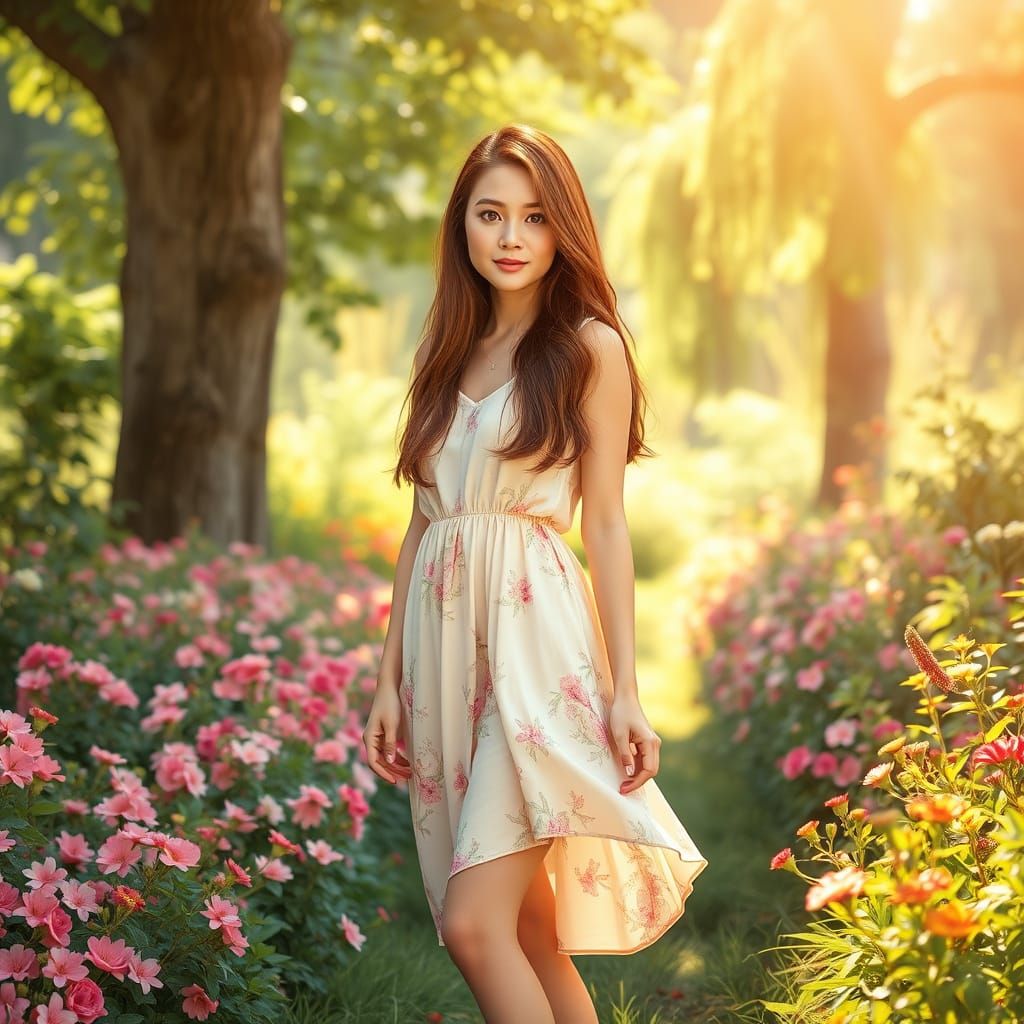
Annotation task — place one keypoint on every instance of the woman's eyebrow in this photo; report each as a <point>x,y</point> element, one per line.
<point>498,202</point>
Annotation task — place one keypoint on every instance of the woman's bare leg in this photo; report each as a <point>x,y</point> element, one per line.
<point>570,1001</point>
<point>478,925</point>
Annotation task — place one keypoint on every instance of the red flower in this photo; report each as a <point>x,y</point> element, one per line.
<point>1006,748</point>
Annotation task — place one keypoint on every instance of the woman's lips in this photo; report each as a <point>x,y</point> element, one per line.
<point>510,265</point>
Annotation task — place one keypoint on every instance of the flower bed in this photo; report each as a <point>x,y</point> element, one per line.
<point>921,917</point>
<point>199,836</point>
<point>797,639</point>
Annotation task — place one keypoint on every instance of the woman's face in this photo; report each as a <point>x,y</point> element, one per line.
<point>504,221</point>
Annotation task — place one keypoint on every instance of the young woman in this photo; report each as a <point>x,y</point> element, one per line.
<point>510,682</point>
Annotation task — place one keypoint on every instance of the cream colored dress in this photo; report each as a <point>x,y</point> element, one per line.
<point>505,692</point>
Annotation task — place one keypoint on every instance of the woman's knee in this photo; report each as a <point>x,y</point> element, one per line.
<point>466,929</point>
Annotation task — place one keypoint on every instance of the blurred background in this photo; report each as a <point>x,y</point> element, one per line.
<point>216,230</point>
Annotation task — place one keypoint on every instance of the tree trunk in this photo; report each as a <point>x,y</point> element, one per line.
<point>857,360</point>
<point>857,363</point>
<point>197,120</point>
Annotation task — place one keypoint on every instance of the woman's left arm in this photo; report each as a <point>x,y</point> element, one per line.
<point>605,536</point>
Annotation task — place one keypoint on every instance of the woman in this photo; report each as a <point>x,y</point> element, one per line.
<point>511,682</point>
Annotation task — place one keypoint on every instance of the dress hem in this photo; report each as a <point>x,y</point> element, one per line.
<point>702,861</point>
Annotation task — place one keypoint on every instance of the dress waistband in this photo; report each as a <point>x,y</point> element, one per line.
<point>549,520</point>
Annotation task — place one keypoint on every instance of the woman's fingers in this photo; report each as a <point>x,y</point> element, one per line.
<point>648,758</point>
<point>373,740</point>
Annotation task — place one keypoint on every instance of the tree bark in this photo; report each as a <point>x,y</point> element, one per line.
<point>858,359</point>
<point>198,128</point>
<point>192,92</point>
<point>857,366</point>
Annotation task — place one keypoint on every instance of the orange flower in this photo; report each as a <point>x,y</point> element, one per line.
<point>835,886</point>
<point>953,919</point>
<point>919,888</point>
<point>807,827</point>
<point>941,807</point>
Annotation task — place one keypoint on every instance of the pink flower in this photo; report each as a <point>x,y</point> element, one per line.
<point>118,853</point>
<point>848,770</point>
<point>73,848</point>
<point>274,869</point>
<point>889,656</point>
<point>841,733</point>
<point>15,766</point>
<point>352,933</point>
<point>796,761</point>
<point>234,939</point>
<point>81,897</point>
<point>6,843</point>
<point>818,630</point>
<point>197,1005</point>
<point>57,927</point>
<point>322,852</point>
<point>18,962</point>
<point>572,689</point>
<point>954,535</point>
<point>308,807</point>
<point>110,955</point>
<point>461,783</point>
<point>11,1003</point>
<point>53,1012</point>
<point>105,756</point>
<point>428,789</point>
<point>824,764</point>
<point>144,973</point>
<point>64,965</point>
<point>812,677</point>
<point>241,875</point>
<point>45,873</point>
<point>180,853</point>
<point>36,905</point>
<point>10,897</point>
<point>85,999</point>
<point>220,912</point>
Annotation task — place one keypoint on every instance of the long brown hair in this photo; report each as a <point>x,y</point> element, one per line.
<point>551,365</point>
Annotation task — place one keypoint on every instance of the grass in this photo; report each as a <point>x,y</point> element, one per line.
<point>706,970</point>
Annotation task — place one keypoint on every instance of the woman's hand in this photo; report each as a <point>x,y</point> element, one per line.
<point>382,732</point>
<point>632,732</point>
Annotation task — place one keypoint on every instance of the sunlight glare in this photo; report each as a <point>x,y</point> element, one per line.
<point>920,10</point>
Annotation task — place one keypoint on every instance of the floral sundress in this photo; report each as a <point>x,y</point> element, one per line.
<point>506,689</point>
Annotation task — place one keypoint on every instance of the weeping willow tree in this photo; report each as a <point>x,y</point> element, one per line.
<point>783,169</point>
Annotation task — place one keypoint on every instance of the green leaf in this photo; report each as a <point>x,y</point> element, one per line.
<point>998,728</point>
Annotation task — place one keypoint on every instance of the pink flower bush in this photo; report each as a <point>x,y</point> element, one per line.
<point>205,712</point>
<point>794,629</point>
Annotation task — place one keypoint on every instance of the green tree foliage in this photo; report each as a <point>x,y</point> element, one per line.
<point>380,104</point>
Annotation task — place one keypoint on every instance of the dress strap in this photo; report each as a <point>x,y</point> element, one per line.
<point>585,322</point>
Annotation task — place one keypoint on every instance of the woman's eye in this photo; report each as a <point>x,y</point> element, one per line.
<point>483,216</point>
